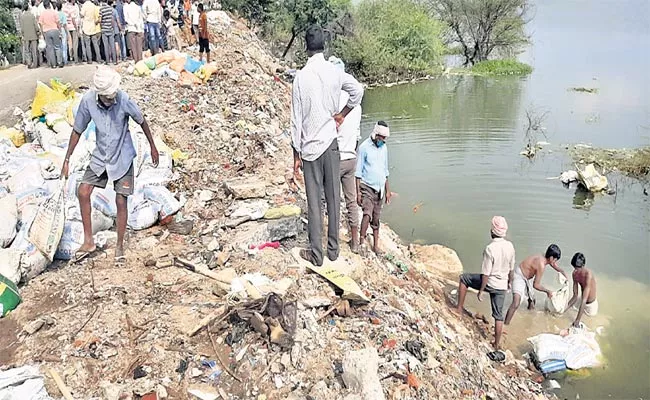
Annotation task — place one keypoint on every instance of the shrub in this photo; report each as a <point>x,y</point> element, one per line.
<point>391,39</point>
<point>502,67</point>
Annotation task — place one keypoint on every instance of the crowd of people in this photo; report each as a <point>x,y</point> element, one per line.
<point>58,33</point>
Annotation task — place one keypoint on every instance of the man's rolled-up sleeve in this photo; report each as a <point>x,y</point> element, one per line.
<point>82,119</point>
<point>488,262</point>
<point>352,86</point>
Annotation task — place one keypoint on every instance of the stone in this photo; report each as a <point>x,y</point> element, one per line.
<point>34,326</point>
<point>222,258</point>
<point>111,390</point>
<point>206,195</point>
<point>320,391</point>
<point>360,373</point>
<point>250,233</point>
<point>435,258</point>
<point>254,210</point>
<point>315,302</point>
<point>246,188</point>
<point>283,228</point>
<point>148,243</point>
<point>213,245</point>
<point>181,227</point>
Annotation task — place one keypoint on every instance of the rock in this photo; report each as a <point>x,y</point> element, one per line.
<point>222,258</point>
<point>315,302</point>
<point>253,210</point>
<point>213,245</point>
<point>320,391</point>
<point>284,228</point>
<point>206,195</point>
<point>360,373</point>
<point>181,227</point>
<point>246,188</point>
<point>435,258</point>
<point>203,392</point>
<point>148,243</point>
<point>34,326</point>
<point>250,233</point>
<point>110,390</point>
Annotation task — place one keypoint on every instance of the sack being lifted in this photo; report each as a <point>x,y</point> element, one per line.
<point>47,228</point>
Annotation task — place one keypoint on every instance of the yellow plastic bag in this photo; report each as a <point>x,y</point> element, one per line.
<point>45,99</point>
<point>58,86</point>
<point>205,72</point>
<point>141,69</point>
<point>13,134</point>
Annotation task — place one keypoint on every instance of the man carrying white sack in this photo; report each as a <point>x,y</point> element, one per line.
<point>109,108</point>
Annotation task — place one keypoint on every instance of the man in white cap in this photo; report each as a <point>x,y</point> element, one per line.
<point>372,181</point>
<point>110,109</point>
<point>498,263</point>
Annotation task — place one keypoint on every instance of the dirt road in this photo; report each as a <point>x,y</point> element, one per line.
<point>17,85</point>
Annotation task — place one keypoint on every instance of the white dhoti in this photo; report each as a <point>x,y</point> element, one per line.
<point>522,286</point>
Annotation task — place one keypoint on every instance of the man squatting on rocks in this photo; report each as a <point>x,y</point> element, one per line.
<point>497,266</point>
<point>110,108</point>
<point>315,118</point>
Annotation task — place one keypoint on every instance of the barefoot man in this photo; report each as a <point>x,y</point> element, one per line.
<point>584,278</point>
<point>529,269</point>
<point>498,263</point>
<point>112,159</point>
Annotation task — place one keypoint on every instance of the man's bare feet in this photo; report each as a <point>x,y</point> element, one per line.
<point>378,251</point>
<point>531,305</point>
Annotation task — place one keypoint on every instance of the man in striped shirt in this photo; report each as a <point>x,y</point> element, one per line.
<point>108,33</point>
<point>315,118</point>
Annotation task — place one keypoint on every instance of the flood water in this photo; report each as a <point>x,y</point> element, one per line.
<point>454,151</point>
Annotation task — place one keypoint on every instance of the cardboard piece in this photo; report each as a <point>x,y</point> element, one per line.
<point>351,290</point>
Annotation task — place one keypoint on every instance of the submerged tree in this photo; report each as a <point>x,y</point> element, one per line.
<point>483,27</point>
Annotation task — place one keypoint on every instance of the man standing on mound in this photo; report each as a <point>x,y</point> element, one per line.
<point>110,109</point>
<point>498,262</point>
<point>315,118</point>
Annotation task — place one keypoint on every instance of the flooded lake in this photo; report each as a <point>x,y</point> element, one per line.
<point>454,151</point>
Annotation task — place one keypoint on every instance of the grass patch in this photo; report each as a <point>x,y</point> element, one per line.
<point>502,67</point>
<point>634,163</point>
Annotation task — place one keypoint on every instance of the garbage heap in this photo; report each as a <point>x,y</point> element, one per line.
<point>216,304</point>
<point>31,157</point>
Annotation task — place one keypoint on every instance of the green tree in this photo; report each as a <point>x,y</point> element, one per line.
<point>298,15</point>
<point>483,27</point>
<point>256,12</point>
<point>9,40</point>
<point>391,39</point>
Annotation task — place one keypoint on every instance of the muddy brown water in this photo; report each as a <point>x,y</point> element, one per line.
<point>454,152</point>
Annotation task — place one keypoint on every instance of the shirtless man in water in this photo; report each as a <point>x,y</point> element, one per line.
<point>532,267</point>
<point>584,278</point>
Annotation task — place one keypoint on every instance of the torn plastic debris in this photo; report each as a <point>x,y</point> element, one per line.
<point>591,179</point>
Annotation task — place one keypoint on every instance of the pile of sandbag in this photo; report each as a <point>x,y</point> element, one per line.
<point>31,187</point>
<point>576,348</point>
<point>176,66</point>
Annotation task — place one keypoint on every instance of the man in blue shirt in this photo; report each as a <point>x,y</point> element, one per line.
<point>110,109</point>
<point>372,181</point>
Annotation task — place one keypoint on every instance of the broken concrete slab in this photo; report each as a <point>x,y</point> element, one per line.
<point>246,188</point>
<point>360,373</point>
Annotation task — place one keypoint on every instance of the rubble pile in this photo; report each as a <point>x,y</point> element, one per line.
<point>213,303</point>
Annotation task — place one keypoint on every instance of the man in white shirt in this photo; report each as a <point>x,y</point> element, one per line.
<point>315,117</point>
<point>348,138</point>
<point>153,16</point>
<point>498,262</point>
<point>134,28</point>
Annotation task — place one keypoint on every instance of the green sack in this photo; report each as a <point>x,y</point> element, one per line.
<point>150,63</point>
<point>9,297</point>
